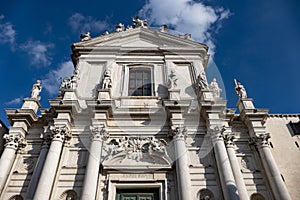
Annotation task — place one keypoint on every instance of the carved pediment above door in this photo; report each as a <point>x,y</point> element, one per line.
<point>136,153</point>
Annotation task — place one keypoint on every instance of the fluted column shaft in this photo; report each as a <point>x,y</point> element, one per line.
<point>92,170</point>
<point>182,167</point>
<point>14,141</point>
<point>39,166</point>
<point>228,184</point>
<point>243,194</point>
<point>44,188</point>
<point>278,186</point>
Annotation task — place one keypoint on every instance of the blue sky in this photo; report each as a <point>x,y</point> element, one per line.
<point>257,42</point>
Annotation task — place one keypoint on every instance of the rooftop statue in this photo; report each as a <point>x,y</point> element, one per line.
<point>86,36</point>
<point>240,89</point>
<point>214,88</point>
<point>139,22</point>
<point>202,81</point>
<point>36,89</point>
<point>120,27</point>
<point>164,28</point>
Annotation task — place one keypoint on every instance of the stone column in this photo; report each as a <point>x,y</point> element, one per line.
<point>92,170</point>
<point>44,188</point>
<point>228,184</point>
<point>278,187</point>
<point>236,169</point>
<point>13,142</point>
<point>40,163</point>
<point>182,165</point>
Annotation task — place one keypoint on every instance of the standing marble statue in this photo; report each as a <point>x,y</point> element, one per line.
<point>36,89</point>
<point>86,36</point>
<point>240,89</point>
<point>202,81</point>
<point>214,88</point>
<point>139,23</point>
<point>172,83</point>
<point>106,80</point>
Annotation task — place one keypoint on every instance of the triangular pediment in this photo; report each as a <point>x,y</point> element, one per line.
<point>140,37</point>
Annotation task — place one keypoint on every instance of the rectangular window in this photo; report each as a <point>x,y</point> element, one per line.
<point>140,82</point>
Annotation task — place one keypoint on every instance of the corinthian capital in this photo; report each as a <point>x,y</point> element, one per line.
<point>262,139</point>
<point>60,133</point>
<point>216,132</point>
<point>99,132</point>
<point>229,139</point>
<point>178,132</point>
<point>15,141</point>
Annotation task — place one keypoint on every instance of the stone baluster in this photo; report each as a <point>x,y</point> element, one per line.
<point>236,169</point>
<point>228,183</point>
<point>59,136</point>
<point>182,165</point>
<point>13,143</point>
<point>92,170</point>
<point>278,186</point>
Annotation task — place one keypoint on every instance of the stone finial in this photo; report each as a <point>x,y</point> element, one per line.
<point>36,89</point>
<point>172,82</point>
<point>107,83</point>
<point>120,27</point>
<point>202,81</point>
<point>137,22</point>
<point>214,88</point>
<point>85,36</point>
<point>240,89</point>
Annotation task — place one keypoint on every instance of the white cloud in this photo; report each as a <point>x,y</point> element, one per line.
<point>52,79</point>
<point>186,16</point>
<point>82,24</point>
<point>38,52</point>
<point>15,101</point>
<point>7,33</point>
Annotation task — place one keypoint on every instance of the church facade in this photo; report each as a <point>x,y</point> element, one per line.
<point>138,121</point>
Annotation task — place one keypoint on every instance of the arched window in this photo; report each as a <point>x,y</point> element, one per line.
<point>205,194</point>
<point>257,196</point>
<point>140,82</point>
<point>68,195</point>
<point>16,197</point>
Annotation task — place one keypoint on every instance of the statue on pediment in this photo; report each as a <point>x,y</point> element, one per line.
<point>214,88</point>
<point>240,89</point>
<point>85,36</point>
<point>120,27</point>
<point>137,22</point>
<point>36,89</point>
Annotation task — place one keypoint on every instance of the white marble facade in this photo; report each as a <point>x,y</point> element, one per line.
<point>138,115</point>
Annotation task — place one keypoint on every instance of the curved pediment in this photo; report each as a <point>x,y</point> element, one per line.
<point>136,153</point>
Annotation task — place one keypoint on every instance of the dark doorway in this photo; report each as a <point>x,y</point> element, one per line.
<point>137,194</point>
